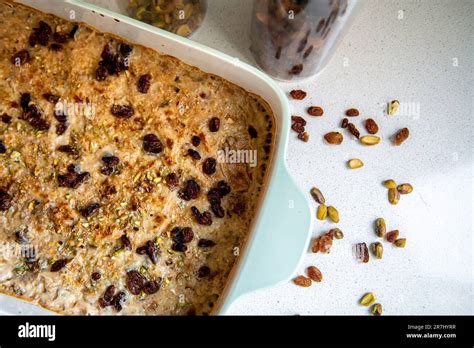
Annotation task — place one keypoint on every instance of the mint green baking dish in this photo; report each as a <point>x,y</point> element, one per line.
<point>281,229</point>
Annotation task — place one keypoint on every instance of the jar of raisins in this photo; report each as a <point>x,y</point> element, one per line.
<point>294,39</point>
<point>182,17</point>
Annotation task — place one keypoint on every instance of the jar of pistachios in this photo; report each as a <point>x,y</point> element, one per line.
<point>181,17</point>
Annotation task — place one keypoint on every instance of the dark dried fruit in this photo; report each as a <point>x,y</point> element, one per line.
<point>302,281</point>
<point>25,99</point>
<point>303,136</point>
<point>151,250</point>
<point>72,179</point>
<point>69,149</point>
<point>172,180</point>
<point>111,160</point>
<point>203,218</point>
<point>6,118</point>
<point>56,47</point>
<point>345,123</point>
<point>5,200</point>
<point>59,265</point>
<point>204,271</point>
<point>392,236</point>
<point>223,187</point>
<point>122,111</point>
<point>195,140</point>
<point>252,132</point>
<point>89,210</point>
<point>371,126</point>
<point>401,136</point>
<point>144,83</point>
<point>214,124</point>
<point>314,273</point>
<point>61,37</point>
<point>352,112</point>
<point>194,154</point>
<point>101,73</point>
<point>3,148</point>
<point>125,49</point>
<point>206,243</point>
<point>214,196</point>
<point>298,94</point>
<point>45,28</point>
<point>61,128</point>
<point>218,210</point>
<point>95,276</point>
<point>334,138</point>
<point>118,301</point>
<point>315,111</point>
<point>182,235</point>
<point>209,166</point>
<point>20,58</point>
<point>297,124</point>
<point>152,286</point>
<point>135,282</point>
<point>179,247</point>
<point>239,208</point>
<point>60,116</point>
<point>73,31</point>
<point>190,191</point>
<point>126,242</point>
<point>51,98</point>
<point>152,144</point>
<point>353,130</point>
<point>109,293</point>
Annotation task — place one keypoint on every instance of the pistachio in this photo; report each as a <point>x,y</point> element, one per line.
<point>376,309</point>
<point>393,107</point>
<point>314,273</point>
<point>317,195</point>
<point>367,299</point>
<point>377,249</point>
<point>392,236</point>
<point>401,242</point>
<point>355,163</point>
<point>333,214</point>
<point>393,196</point>
<point>370,140</point>
<point>380,227</point>
<point>322,212</point>
<point>302,281</point>
<point>404,189</point>
<point>389,184</point>
<point>337,233</point>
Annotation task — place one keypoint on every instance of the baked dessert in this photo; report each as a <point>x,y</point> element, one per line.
<point>122,187</point>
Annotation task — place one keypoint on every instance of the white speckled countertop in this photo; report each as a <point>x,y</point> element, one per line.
<point>413,60</point>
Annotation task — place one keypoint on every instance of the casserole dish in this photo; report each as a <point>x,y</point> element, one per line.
<point>273,247</point>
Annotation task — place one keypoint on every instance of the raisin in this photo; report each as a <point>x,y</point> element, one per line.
<point>111,160</point>
<point>135,282</point>
<point>195,140</point>
<point>239,208</point>
<point>125,49</point>
<point>21,237</point>
<point>352,112</point>
<point>33,39</point>
<point>194,154</point>
<point>353,130</point>
<point>252,132</point>
<point>218,210</point>
<point>69,149</point>
<point>126,242</point>
<point>191,190</point>
<point>90,209</point>
<point>187,234</point>
<point>401,136</point>
<point>95,276</point>
<point>109,293</point>
<point>39,124</point>
<point>60,116</point>
<point>45,28</point>
<point>152,144</point>
<point>209,166</point>
<point>118,300</point>
<point>151,250</point>
<point>334,138</point>
<point>59,265</point>
<point>72,179</point>
<point>61,128</point>
<point>56,47</point>
<point>20,57</point>
<point>214,124</point>
<point>179,247</point>
<point>144,83</point>
<point>204,271</point>
<point>152,286</point>
<point>203,218</point>
<point>296,69</point>
<point>172,180</point>
<point>214,196</point>
<point>101,73</point>
<point>6,118</point>
<point>371,126</point>
<point>73,31</point>
<point>122,111</point>
<point>206,243</point>
<point>298,94</point>
<point>345,123</point>
<point>223,187</point>
<point>60,37</point>
<point>51,98</point>
<point>3,148</point>
<point>315,111</point>
<point>25,99</point>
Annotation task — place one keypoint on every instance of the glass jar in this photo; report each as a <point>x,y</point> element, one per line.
<point>294,39</point>
<point>182,17</point>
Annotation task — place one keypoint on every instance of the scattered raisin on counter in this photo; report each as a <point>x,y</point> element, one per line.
<point>298,94</point>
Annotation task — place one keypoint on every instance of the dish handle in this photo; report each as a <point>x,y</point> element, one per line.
<point>280,239</point>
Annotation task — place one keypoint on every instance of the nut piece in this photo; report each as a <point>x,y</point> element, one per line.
<point>376,309</point>
<point>393,196</point>
<point>393,107</point>
<point>333,214</point>
<point>355,163</point>
<point>367,299</point>
<point>401,136</point>
<point>392,236</point>
<point>404,189</point>
<point>353,130</point>
<point>315,111</point>
<point>371,126</point>
<point>389,184</point>
<point>317,195</point>
<point>337,233</point>
<point>302,281</point>
<point>334,138</point>
<point>314,273</point>
<point>370,140</point>
<point>322,212</point>
<point>380,227</point>
<point>362,252</point>
<point>401,242</point>
<point>298,94</point>
<point>377,249</point>
<point>303,136</point>
<point>352,112</point>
